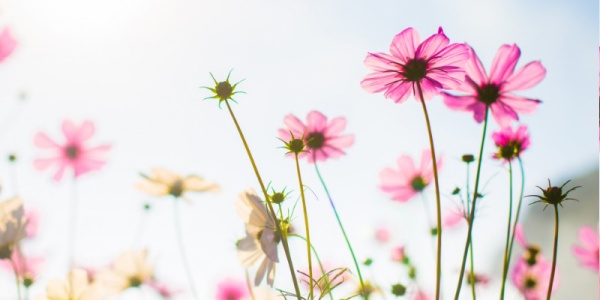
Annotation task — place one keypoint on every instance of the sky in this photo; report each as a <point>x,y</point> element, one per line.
<point>135,68</point>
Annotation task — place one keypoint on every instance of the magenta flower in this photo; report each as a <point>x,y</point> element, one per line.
<point>323,139</point>
<point>7,44</point>
<point>532,280</point>
<point>511,143</point>
<point>407,180</point>
<point>587,253</point>
<point>73,153</point>
<point>231,289</point>
<point>496,90</point>
<point>434,64</point>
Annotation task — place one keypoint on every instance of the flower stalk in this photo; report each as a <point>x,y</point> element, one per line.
<point>308,244</point>
<point>506,248</point>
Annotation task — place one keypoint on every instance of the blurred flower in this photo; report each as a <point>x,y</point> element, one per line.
<point>264,294</point>
<point>26,267</point>
<point>587,253</point>
<point>323,139</point>
<point>408,181</point>
<point>511,143</point>
<point>496,90</point>
<point>75,287</point>
<point>232,289</point>
<point>327,281</point>
<point>130,269</point>
<point>398,254</point>
<point>433,64</point>
<point>12,226</point>
<point>533,280</point>
<point>163,289</point>
<point>478,279</point>
<point>261,238</point>
<point>73,153</point>
<point>7,44</point>
<point>163,182</point>
<point>32,217</point>
<point>382,234</point>
<point>452,218</point>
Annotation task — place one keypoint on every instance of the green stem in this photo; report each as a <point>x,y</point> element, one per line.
<point>554,252</point>
<point>339,221</point>
<point>182,253</point>
<point>514,228</point>
<point>472,275</point>
<point>17,277</point>
<point>506,249</point>
<point>306,227</point>
<point>269,205</point>
<point>472,212</point>
<point>316,257</point>
<point>438,271</point>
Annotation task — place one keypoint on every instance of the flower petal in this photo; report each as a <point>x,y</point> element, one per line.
<point>85,131</point>
<point>458,102</point>
<point>404,44</point>
<point>526,77</point>
<point>399,91</point>
<point>432,45</point>
<point>197,184</point>
<point>342,141</point>
<point>295,125</point>
<point>70,131</point>
<point>335,126</point>
<point>42,140</point>
<point>504,63</point>
<point>382,62</point>
<point>316,121</point>
<point>519,104</point>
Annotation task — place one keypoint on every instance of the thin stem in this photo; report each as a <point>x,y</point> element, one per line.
<point>472,275</point>
<point>514,228</point>
<point>316,257</point>
<point>554,252</point>
<point>184,259</point>
<point>250,290</point>
<point>17,277</point>
<point>473,207</point>
<point>506,249</point>
<point>270,206</point>
<point>339,221</point>
<point>73,223</point>
<point>306,227</point>
<point>438,271</point>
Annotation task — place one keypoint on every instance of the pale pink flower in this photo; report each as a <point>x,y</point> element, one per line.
<point>323,139</point>
<point>7,44</point>
<point>28,267</point>
<point>407,180</point>
<point>232,289</point>
<point>496,90</point>
<point>398,254</point>
<point>74,152</point>
<point>434,64</point>
<point>533,280</point>
<point>452,218</point>
<point>511,142</point>
<point>32,216</point>
<point>587,253</point>
<point>382,234</point>
<point>163,289</point>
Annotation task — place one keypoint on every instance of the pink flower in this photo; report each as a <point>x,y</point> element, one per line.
<point>232,289</point>
<point>511,143</point>
<point>433,64</point>
<point>28,268</point>
<point>452,218</point>
<point>32,217</point>
<point>73,152</point>
<point>323,139</point>
<point>408,181</point>
<point>163,289</point>
<point>382,234</point>
<point>496,90</point>
<point>532,280</point>
<point>587,253</point>
<point>398,254</point>
<point>7,44</point>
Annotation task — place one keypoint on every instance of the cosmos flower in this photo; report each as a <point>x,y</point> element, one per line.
<point>323,139</point>
<point>496,90</point>
<point>74,153</point>
<point>32,216</point>
<point>434,64</point>
<point>163,289</point>
<point>232,289</point>
<point>162,182</point>
<point>407,180</point>
<point>511,143</point>
<point>260,243</point>
<point>587,253</point>
<point>382,234</point>
<point>7,44</point>
<point>75,287</point>
<point>532,280</point>
<point>12,226</point>
<point>130,270</point>
<point>27,267</point>
<point>398,254</point>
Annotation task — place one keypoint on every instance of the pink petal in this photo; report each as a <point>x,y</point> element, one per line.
<point>342,141</point>
<point>453,55</point>
<point>392,179</point>
<point>42,140</point>
<point>86,165</point>
<point>452,219</point>
<point>382,62</point>
<point>588,237</point>
<point>60,172</point>
<point>404,44</point>
<point>7,44</point>
<point>520,236</point>
<point>430,88</point>
<point>70,131</point>
<point>332,152</point>
<point>432,45</point>
<point>526,77</point>
<point>520,104</point>
<point>406,166</point>
<point>316,121</point>
<point>403,195</point>
<point>97,151</point>
<point>294,124</point>
<point>399,92</point>
<point>43,163</point>
<point>504,63</point>
<point>458,102</point>
<point>478,109</point>
<point>335,126</point>
<point>85,131</point>
<point>378,81</point>
<point>503,114</point>
<point>475,69</point>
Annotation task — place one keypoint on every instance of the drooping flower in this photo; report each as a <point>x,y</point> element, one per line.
<point>74,153</point>
<point>323,139</point>
<point>495,91</point>
<point>27,267</point>
<point>75,287</point>
<point>532,280</point>
<point>7,44</point>
<point>12,226</point>
<point>407,180</point>
<point>511,143</point>
<point>260,243</point>
<point>587,253</point>
<point>130,270</point>
<point>435,64</point>
<point>163,182</point>
<point>232,289</point>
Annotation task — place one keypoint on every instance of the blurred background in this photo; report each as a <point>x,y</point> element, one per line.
<point>135,67</point>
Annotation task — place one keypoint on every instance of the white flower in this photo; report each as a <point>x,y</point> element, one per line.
<point>12,225</point>
<point>131,269</point>
<point>75,287</point>
<point>261,238</point>
<point>163,182</point>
